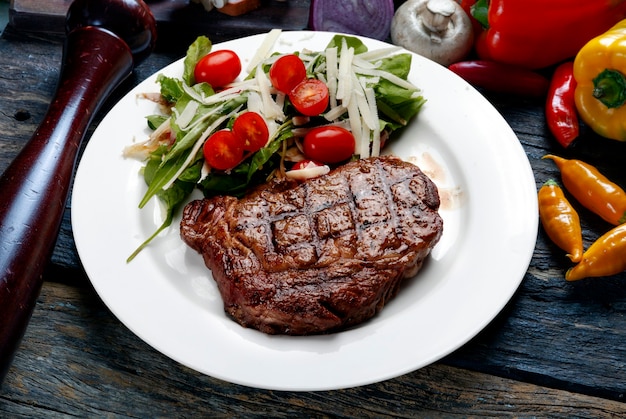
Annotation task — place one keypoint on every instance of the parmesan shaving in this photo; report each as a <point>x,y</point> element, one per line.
<point>255,103</point>
<point>355,127</point>
<point>334,113</point>
<point>371,99</point>
<point>185,117</point>
<point>270,108</point>
<point>331,75</point>
<point>387,76</point>
<point>377,54</point>
<point>359,62</point>
<point>264,49</point>
<point>345,69</point>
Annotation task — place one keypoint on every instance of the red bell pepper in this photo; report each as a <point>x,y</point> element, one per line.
<point>539,33</point>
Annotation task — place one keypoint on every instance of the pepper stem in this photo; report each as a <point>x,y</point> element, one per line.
<point>609,87</point>
<point>480,12</point>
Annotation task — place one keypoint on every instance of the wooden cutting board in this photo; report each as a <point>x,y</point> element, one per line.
<point>178,21</point>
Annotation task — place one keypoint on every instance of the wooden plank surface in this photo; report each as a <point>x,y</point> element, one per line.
<point>78,360</point>
<point>556,350</point>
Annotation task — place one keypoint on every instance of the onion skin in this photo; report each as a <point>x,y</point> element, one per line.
<point>370,18</point>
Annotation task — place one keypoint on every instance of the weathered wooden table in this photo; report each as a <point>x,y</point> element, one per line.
<point>557,349</point>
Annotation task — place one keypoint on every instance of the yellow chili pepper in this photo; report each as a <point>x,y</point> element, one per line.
<point>560,220</point>
<point>592,189</point>
<point>599,70</point>
<point>605,257</point>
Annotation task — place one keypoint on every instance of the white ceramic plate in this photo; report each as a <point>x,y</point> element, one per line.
<point>167,297</point>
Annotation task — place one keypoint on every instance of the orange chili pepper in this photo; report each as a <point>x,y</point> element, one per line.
<point>605,257</point>
<point>592,189</point>
<point>560,220</point>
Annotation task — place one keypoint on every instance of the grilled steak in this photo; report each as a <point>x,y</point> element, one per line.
<point>318,256</point>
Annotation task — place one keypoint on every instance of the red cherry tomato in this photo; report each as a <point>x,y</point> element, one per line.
<point>310,97</point>
<point>287,72</point>
<point>329,144</point>
<point>218,68</point>
<point>252,130</point>
<point>223,150</point>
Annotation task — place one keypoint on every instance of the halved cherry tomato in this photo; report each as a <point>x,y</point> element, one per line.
<point>223,150</point>
<point>218,68</point>
<point>310,97</point>
<point>287,72</point>
<point>329,144</point>
<point>252,130</point>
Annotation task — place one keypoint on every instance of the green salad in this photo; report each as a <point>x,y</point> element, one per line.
<point>364,94</point>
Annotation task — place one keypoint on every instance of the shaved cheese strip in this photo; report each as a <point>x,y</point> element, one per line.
<point>270,108</point>
<point>364,107</point>
<point>229,93</point>
<point>193,93</point>
<point>205,116</point>
<point>369,81</point>
<point>377,54</point>
<point>184,118</point>
<point>365,111</point>
<point>371,99</point>
<point>387,76</point>
<point>307,57</point>
<point>361,63</point>
<point>280,101</point>
<point>366,135</point>
<point>197,146</point>
<point>264,49</point>
<point>355,127</point>
<point>321,68</point>
<point>344,88</point>
<point>335,113</point>
<point>331,75</point>
<point>255,103</point>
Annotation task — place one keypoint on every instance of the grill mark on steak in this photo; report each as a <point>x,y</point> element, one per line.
<point>318,256</point>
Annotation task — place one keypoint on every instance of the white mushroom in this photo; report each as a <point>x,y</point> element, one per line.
<point>436,29</point>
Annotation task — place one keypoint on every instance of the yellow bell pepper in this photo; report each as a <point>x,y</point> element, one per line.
<point>599,70</point>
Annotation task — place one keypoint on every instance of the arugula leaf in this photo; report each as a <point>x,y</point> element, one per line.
<point>398,65</point>
<point>158,174</point>
<point>171,88</point>
<point>356,43</point>
<point>173,198</point>
<point>155,121</point>
<point>198,49</point>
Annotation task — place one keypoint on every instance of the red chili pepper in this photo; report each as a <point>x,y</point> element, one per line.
<point>502,78</point>
<point>539,33</point>
<point>561,114</point>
